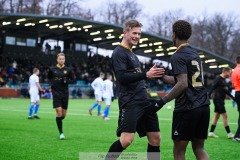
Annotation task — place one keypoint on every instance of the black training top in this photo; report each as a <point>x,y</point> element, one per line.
<point>220,88</point>
<point>60,77</point>
<point>127,69</point>
<point>187,61</point>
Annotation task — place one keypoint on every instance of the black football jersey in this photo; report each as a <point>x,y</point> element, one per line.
<point>125,60</point>
<point>220,88</point>
<point>59,79</point>
<point>187,61</point>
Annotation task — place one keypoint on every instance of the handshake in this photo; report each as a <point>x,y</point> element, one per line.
<point>157,104</point>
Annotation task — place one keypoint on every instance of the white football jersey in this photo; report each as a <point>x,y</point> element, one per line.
<point>33,79</point>
<point>97,85</point>
<point>107,89</point>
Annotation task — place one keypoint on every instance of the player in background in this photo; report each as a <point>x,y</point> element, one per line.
<point>33,88</point>
<point>107,95</point>
<point>220,88</point>
<point>97,86</point>
<point>60,76</point>
<point>235,77</point>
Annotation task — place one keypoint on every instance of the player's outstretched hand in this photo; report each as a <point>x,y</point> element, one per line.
<point>155,72</point>
<point>156,104</point>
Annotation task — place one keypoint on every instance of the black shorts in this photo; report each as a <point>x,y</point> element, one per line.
<point>60,100</point>
<point>219,106</point>
<point>137,116</point>
<point>191,125</point>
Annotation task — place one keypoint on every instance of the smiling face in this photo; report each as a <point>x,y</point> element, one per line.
<point>132,36</point>
<point>61,60</point>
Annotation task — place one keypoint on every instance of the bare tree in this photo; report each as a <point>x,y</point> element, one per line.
<point>18,6</point>
<point>215,34</point>
<point>68,8</point>
<point>200,36</point>
<point>86,14</point>
<point>58,7</point>
<point>3,5</point>
<point>12,6</point>
<point>32,6</point>
<point>234,47</point>
<point>161,24</point>
<point>118,13</point>
<point>220,32</point>
<point>21,6</point>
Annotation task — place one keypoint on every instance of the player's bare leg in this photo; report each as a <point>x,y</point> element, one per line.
<point>179,149</point>
<point>198,149</point>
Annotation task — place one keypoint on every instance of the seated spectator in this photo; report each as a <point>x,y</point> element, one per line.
<point>47,93</point>
<point>2,82</point>
<point>24,92</point>
<point>77,93</point>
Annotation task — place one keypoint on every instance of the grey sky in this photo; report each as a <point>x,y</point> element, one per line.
<point>190,7</point>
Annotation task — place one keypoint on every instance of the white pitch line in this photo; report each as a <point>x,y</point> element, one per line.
<point>51,109</point>
<point>78,114</point>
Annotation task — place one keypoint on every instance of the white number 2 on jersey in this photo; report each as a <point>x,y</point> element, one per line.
<point>196,75</point>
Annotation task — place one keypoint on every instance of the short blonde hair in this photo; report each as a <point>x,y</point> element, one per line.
<point>35,70</point>
<point>130,24</point>
<point>60,54</point>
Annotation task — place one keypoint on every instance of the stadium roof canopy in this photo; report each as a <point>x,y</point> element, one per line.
<point>101,35</point>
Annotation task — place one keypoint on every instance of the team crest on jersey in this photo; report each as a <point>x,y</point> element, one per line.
<point>65,72</point>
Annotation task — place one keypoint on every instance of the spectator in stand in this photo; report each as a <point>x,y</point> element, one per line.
<point>76,93</point>
<point>47,48</point>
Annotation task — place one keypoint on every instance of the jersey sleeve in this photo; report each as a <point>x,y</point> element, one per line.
<point>119,61</point>
<point>93,84</point>
<point>124,76</point>
<point>37,79</point>
<point>214,86</point>
<point>179,64</point>
<point>111,89</point>
<point>70,74</point>
<point>50,73</point>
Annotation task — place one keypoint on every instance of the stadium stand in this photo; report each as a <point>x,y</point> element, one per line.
<point>22,47</point>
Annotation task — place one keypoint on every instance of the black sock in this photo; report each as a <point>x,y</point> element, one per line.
<point>59,124</point>
<point>153,152</point>
<point>227,129</point>
<point>63,117</point>
<point>212,128</point>
<point>114,151</point>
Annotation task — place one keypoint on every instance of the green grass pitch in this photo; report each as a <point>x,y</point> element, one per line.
<point>23,139</point>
